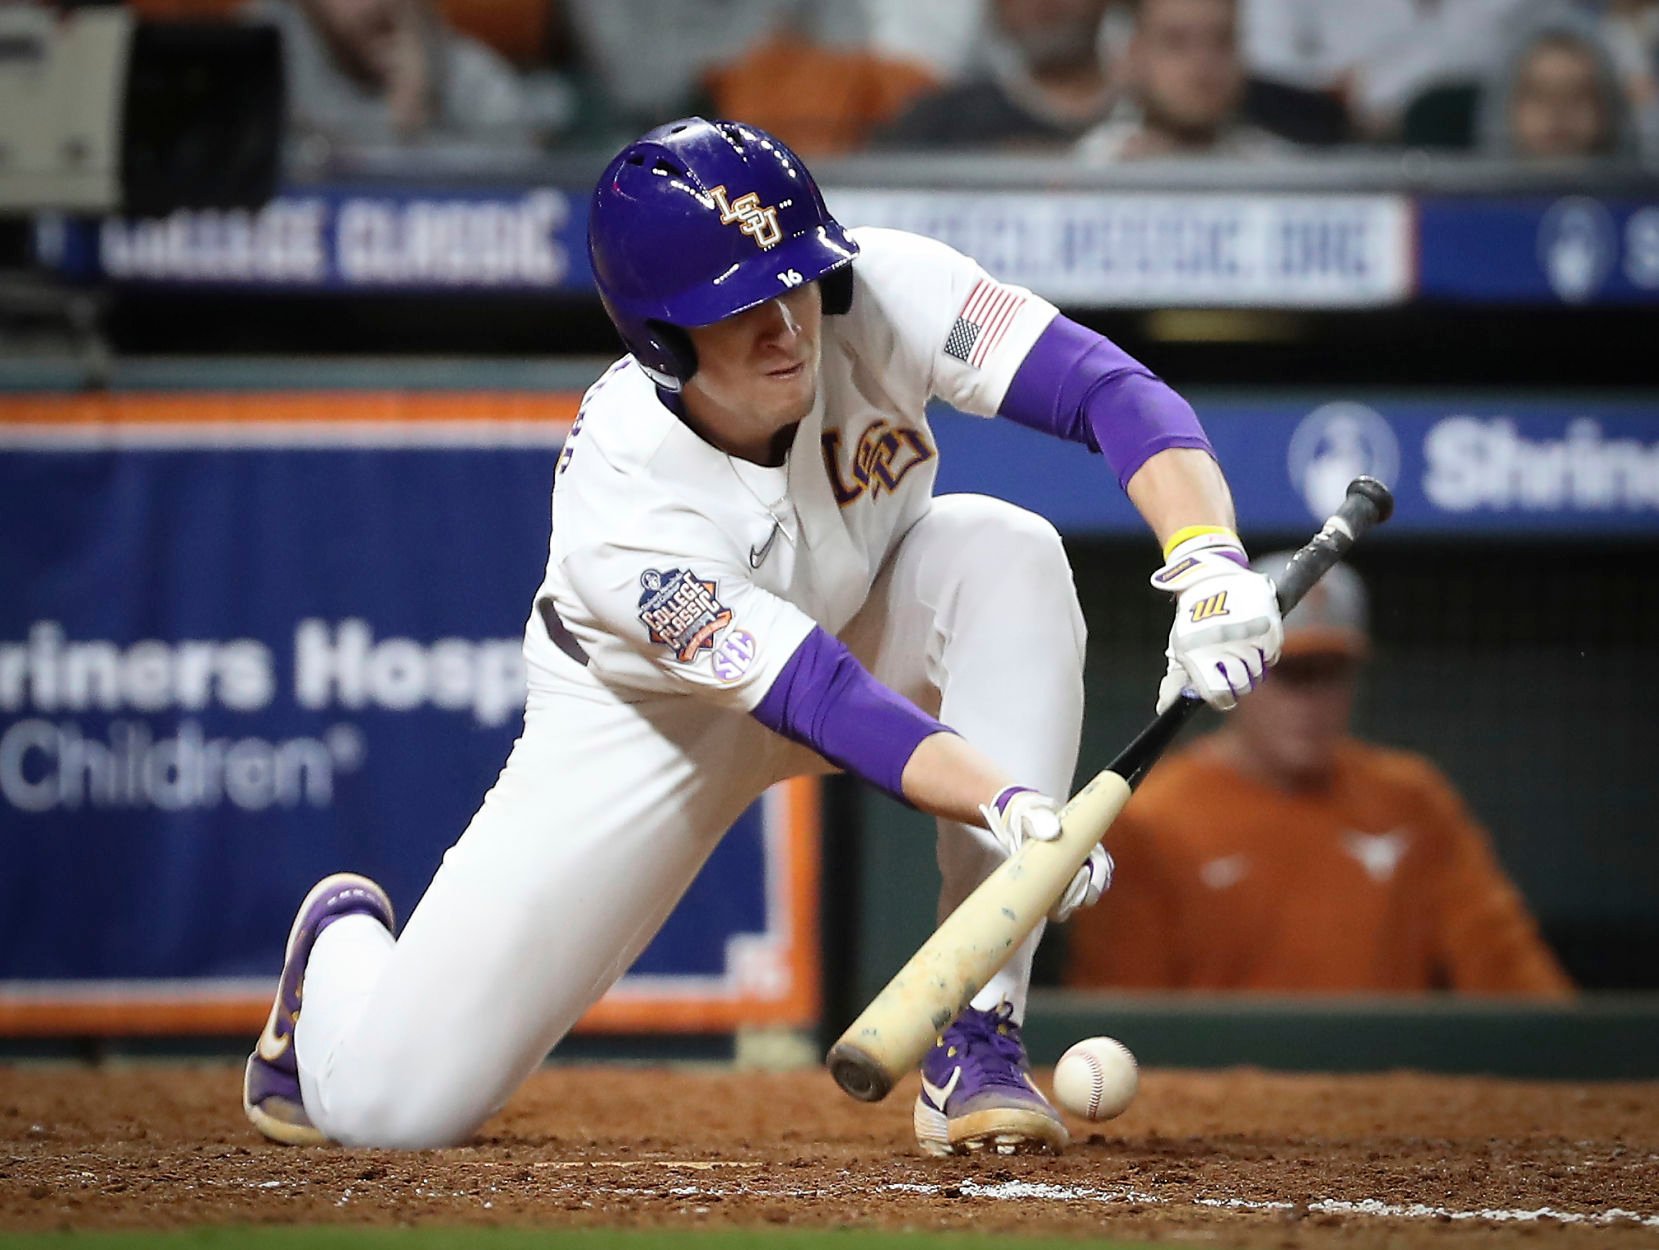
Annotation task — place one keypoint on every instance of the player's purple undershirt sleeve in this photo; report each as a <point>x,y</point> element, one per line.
<point>825,699</point>
<point>1081,386</point>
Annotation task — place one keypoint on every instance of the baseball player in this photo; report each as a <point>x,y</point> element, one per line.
<point>749,579</point>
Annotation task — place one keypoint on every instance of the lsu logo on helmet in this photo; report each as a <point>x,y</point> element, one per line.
<point>746,212</point>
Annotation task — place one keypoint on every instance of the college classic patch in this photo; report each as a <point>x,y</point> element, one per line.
<point>680,611</point>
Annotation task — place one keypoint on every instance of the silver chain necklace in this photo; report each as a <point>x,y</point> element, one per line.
<point>771,509</point>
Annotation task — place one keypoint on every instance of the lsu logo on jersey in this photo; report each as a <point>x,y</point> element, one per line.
<point>1205,609</point>
<point>881,458</point>
<point>746,212</point>
<point>680,611</point>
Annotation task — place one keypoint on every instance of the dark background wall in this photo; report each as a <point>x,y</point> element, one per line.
<point>1521,669</point>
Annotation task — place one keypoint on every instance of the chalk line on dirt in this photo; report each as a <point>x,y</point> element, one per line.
<point>1021,1190</point>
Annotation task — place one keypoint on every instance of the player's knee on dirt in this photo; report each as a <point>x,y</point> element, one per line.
<point>408,1117</point>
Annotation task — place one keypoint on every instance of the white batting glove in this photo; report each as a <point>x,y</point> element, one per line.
<point>1227,630</point>
<point>1020,814</point>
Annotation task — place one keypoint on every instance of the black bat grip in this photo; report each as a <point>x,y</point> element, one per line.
<point>1367,504</point>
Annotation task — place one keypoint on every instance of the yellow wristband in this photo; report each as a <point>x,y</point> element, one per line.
<point>1197,531</point>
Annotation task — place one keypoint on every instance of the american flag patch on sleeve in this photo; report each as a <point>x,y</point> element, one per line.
<point>985,317</point>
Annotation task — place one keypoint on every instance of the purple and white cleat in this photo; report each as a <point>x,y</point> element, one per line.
<point>271,1084</point>
<point>978,1095</point>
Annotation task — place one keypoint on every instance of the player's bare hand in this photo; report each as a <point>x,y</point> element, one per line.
<point>1227,630</point>
<point>1019,815</point>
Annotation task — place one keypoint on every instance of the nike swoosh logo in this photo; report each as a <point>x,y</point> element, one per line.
<point>757,555</point>
<point>938,1094</point>
<point>271,1047</point>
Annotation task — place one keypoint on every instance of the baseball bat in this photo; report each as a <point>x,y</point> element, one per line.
<point>893,1033</point>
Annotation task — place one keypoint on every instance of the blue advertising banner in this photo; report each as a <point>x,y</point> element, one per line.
<point>1079,248</point>
<point>1483,465</point>
<point>1574,250</point>
<point>232,662</point>
<point>341,239</point>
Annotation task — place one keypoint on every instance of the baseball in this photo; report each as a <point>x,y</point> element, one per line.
<point>1096,1079</point>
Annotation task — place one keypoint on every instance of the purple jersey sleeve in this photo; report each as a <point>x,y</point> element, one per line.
<point>825,699</point>
<point>1081,386</point>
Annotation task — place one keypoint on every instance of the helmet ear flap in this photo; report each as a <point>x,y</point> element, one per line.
<point>836,290</point>
<point>674,344</point>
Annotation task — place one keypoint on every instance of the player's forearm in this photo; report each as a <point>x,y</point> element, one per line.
<point>947,777</point>
<point>825,699</point>
<point>1179,488</point>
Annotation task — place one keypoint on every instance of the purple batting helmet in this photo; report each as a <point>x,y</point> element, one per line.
<point>697,221</point>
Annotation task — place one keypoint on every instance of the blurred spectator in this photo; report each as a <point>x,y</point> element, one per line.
<point>1184,84</point>
<point>812,71</point>
<point>830,99</point>
<point>1281,854</point>
<point>1379,55</point>
<point>1631,29</point>
<point>374,73</point>
<point>942,36</point>
<point>1043,84</point>
<point>1556,95</point>
<point>650,56</point>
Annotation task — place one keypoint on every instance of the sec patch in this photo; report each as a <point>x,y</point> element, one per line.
<point>733,657</point>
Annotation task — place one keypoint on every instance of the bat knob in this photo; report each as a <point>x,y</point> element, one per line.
<point>1382,499</point>
<point>858,1073</point>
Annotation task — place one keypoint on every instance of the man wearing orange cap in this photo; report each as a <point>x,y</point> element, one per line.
<point>1281,854</point>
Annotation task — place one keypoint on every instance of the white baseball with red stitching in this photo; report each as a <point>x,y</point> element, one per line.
<point>1096,1079</point>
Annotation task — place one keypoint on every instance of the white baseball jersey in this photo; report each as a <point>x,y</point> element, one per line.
<point>678,568</point>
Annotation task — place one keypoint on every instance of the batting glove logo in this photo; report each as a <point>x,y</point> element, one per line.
<point>1166,575</point>
<point>1215,605</point>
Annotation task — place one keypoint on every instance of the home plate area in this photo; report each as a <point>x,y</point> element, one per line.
<point>1238,1157</point>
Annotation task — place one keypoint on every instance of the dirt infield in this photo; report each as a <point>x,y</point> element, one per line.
<point>1243,1158</point>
